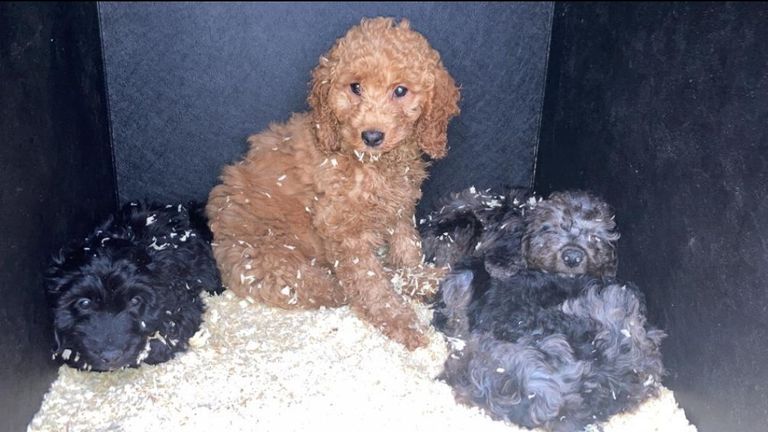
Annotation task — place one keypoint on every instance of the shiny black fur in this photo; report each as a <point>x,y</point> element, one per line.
<point>130,291</point>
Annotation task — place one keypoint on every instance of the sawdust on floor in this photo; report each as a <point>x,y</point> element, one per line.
<point>258,368</point>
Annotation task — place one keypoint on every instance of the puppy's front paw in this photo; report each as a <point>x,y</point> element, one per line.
<point>405,253</point>
<point>405,329</point>
<point>412,339</point>
<point>405,246</point>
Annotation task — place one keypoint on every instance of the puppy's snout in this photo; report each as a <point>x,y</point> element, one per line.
<point>111,356</point>
<point>372,138</point>
<point>572,257</point>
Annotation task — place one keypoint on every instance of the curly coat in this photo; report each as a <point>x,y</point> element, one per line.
<point>130,291</point>
<point>546,350</point>
<point>569,233</point>
<point>298,221</point>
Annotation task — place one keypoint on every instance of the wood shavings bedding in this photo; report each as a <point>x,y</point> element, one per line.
<point>258,368</point>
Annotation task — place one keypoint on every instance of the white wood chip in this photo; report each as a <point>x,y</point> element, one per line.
<point>155,246</point>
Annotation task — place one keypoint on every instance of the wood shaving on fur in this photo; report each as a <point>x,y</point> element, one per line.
<point>261,368</point>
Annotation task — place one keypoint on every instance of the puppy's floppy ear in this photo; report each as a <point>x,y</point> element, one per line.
<point>611,266</point>
<point>53,278</point>
<point>325,124</point>
<point>57,348</point>
<point>525,244</point>
<point>432,129</point>
<point>63,263</point>
<point>457,289</point>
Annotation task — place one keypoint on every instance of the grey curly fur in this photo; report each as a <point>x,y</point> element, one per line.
<point>573,220</point>
<point>539,341</point>
<point>515,231</point>
<point>562,364</point>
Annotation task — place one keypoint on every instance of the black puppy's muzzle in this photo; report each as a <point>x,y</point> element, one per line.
<point>111,357</point>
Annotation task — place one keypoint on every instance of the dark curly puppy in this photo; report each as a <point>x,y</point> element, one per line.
<point>542,335</point>
<point>130,292</point>
<point>543,350</point>
<point>570,232</point>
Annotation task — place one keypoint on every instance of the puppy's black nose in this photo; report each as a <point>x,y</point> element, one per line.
<point>111,356</point>
<point>573,257</point>
<point>372,138</point>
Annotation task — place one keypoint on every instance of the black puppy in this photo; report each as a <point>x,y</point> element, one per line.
<point>130,291</point>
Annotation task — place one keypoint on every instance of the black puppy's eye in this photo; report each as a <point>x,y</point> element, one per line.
<point>136,301</point>
<point>400,91</point>
<point>84,303</point>
<point>356,89</point>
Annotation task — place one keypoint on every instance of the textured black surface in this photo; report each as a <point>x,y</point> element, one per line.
<point>56,177</point>
<point>662,109</point>
<point>189,82</point>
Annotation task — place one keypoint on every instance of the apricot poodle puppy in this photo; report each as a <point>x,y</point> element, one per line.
<point>299,221</point>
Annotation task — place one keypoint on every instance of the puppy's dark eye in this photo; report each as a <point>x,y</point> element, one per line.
<point>356,89</point>
<point>400,91</point>
<point>84,303</point>
<point>136,301</point>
